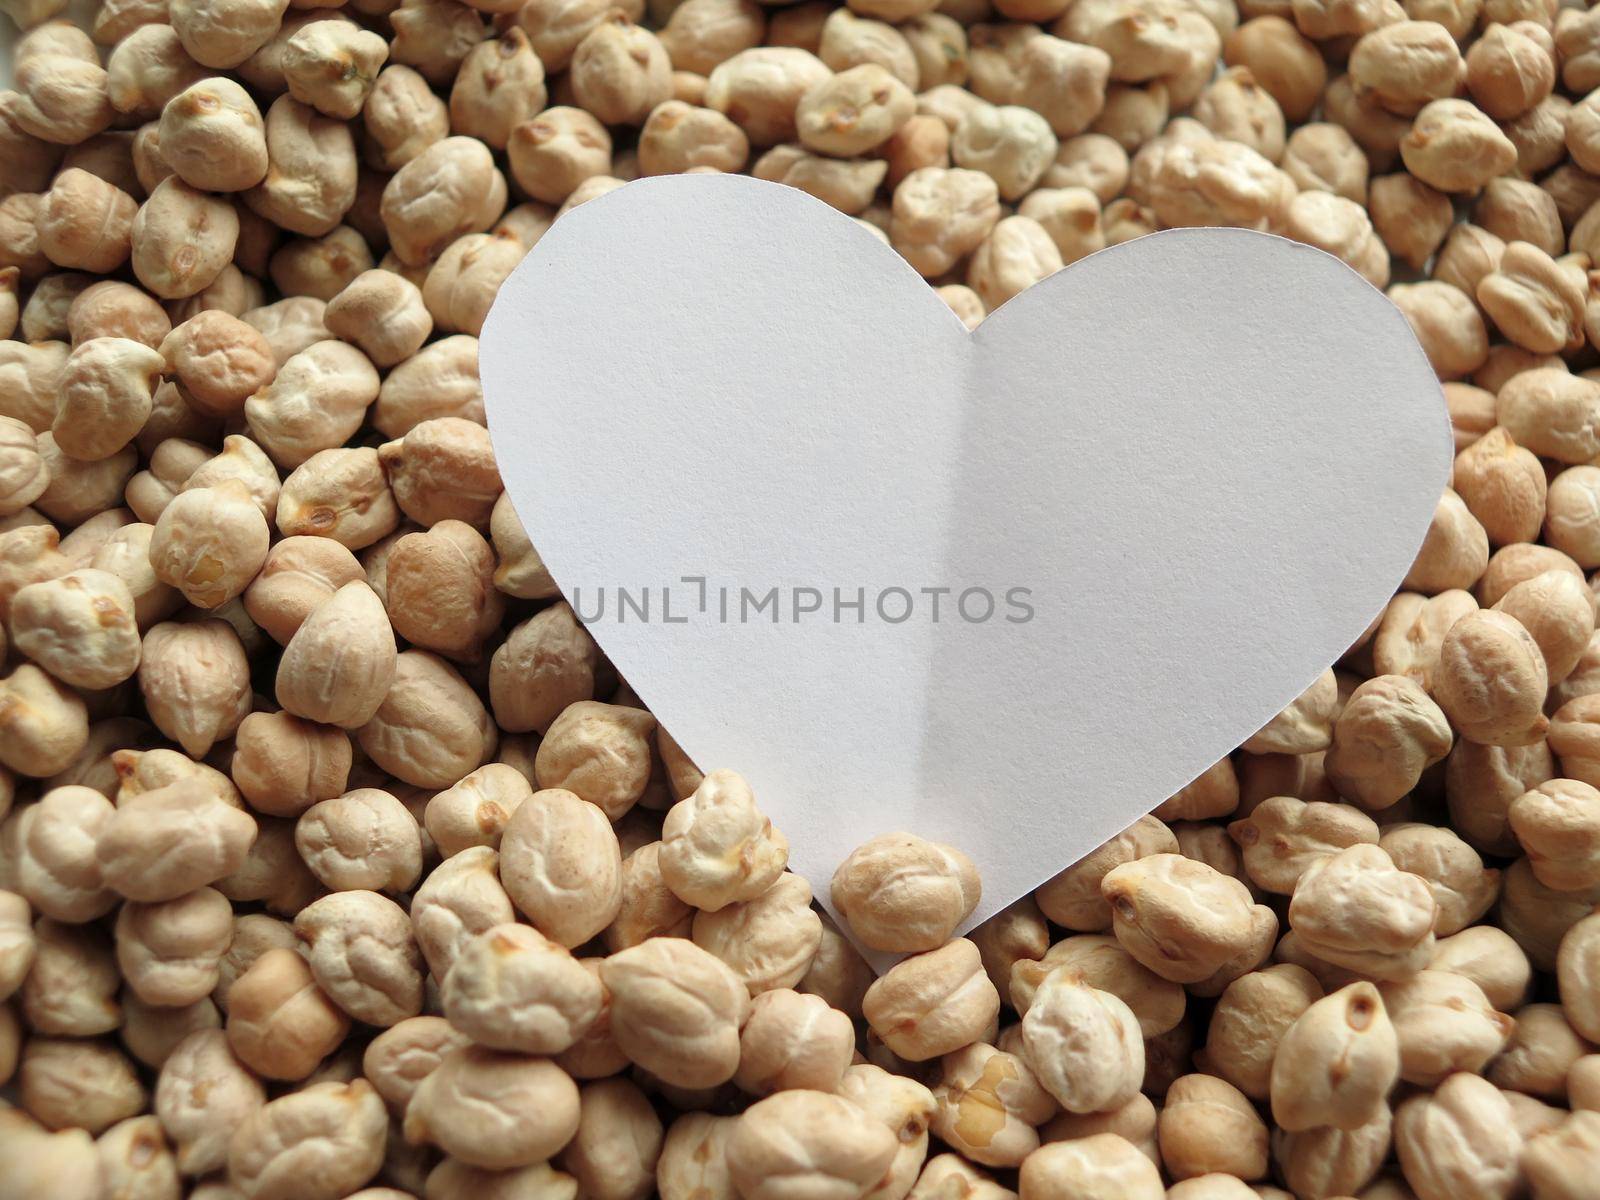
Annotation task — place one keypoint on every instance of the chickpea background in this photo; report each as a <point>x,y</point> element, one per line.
<point>337,863</point>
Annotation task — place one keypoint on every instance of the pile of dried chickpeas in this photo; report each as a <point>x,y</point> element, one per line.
<point>337,862</point>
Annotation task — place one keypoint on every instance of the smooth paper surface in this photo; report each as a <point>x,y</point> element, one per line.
<point>1201,461</point>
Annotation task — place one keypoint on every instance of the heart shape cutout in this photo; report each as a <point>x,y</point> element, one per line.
<point>1207,457</point>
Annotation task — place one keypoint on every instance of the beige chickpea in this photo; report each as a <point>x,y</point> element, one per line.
<point>16,942</point>
<point>300,573</point>
<point>362,840</point>
<point>700,35</point>
<point>807,1143</point>
<point>169,951</point>
<point>1183,919</point>
<point>1454,147</point>
<point>280,1023</point>
<point>1557,611</point>
<point>320,266</point>
<point>693,1159</point>
<point>854,111</point>
<point>202,1094</point>
<point>677,136</point>
<point>86,223</point>
<point>838,973</point>
<point>223,33</point>
<point>289,326</point>
<point>1083,1044</point>
<point>401,118</point>
<point>383,314</point>
<point>930,1004</point>
<point>464,280</point>
<point>613,1154</point>
<point>1548,411</point>
<point>55,867</point>
<point>1504,487</point>
<point>601,752</point>
<point>443,469</point>
<point>220,361</point>
<point>1461,1132</point>
<point>1492,645</point>
<point>1538,917</point>
<point>759,89</point>
<point>1444,1024</point>
<point>400,1057</point>
<point>323,1141</point>
<point>1337,1063</point>
<point>340,662</point>
<point>71,988</point>
<point>434,36</point>
<point>1356,909</point>
<point>44,317</point>
<point>341,494</point>
<point>1509,72</point>
<point>165,843</point>
<point>331,65</point>
<point>555,151</point>
<point>460,898</point>
<point>182,239</point>
<point>209,543</point>
<point>1570,514</point>
<point>501,85</point>
<point>847,184</point>
<point>1070,216</point>
<point>676,1011</point>
<point>311,180</point>
<point>79,626</point>
<point>717,848</point>
<point>793,1041</point>
<point>1577,965</point>
<point>1073,898</point>
<point>512,989</point>
<point>134,1158</point>
<point>283,764</point>
<point>1100,962</point>
<point>1208,1128</point>
<point>562,866</point>
<point>1283,836</point>
<point>1252,1017</point>
<point>1469,254</point>
<point>1089,160</point>
<point>1540,1055</point>
<point>1536,303</point>
<point>147,67</point>
<point>61,91</point>
<point>1102,1164</point>
<point>648,908</point>
<point>546,665</point>
<point>476,811</point>
<point>923,141</point>
<point>1405,65</point>
<point>941,215</point>
<point>448,189</point>
<point>105,396</point>
<point>1462,889</point>
<point>1017,253</point>
<point>1011,144</point>
<point>361,952</point>
<point>43,724</point>
<point>30,373</point>
<point>964,302</point>
<point>770,941</point>
<point>1447,324</point>
<point>77,1083</point>
<point>1283,62</point>
<point>213,137</point>
<point>1388,733</point>
<point>903,894</point>
<point>620,71</point>
<point>315,402</point>
<point>1556,825</point>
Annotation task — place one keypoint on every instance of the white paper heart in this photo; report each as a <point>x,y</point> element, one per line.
<point>1209,457</point>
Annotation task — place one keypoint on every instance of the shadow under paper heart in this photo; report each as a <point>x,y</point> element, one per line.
<point>1207,457</point>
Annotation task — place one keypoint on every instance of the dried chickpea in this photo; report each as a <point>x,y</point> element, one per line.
<point>341,494</point>
<point>793,1041</point>
<point>443,469</point>
<point>1181,918</point>
<point>903,894</point>
<point>362,840</point>
<point>1388,733</point>
<point>1461,1136</point>
<point>562,866</point>
<point>802,1143</point>
<point>383,314</point>
<point>280,1023</point>
<point>85,222</point>
<point>1356,909</point>
<point>331,65</point>
<point>450,188</point>
<point>43,724</point>
<point>1492,645</point>
<point>512,989</point>
<point>930,1004</point>
<point>182,239</point>
<point>1102,1164</point>
<point>311,177</point>
<point>201,1095</point>
<point>676,1011</point>
<point>717,848</point>
<point>321,1142</point>
<point>600,752</point>
<point>209,543</point>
